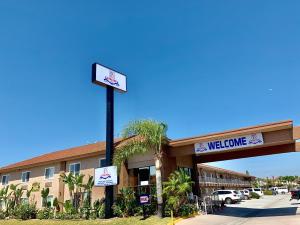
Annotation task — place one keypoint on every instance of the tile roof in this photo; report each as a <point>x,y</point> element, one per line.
<point>217,169</point>
<point>62,155</point>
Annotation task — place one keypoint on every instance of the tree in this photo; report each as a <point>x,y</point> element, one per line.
<point>78,184</point>
<point>45,194</point>
<point>4,196</point>
<point>88,189</point>
<point>69,180</point>
<point>177,189</point>
<point>144,136</point>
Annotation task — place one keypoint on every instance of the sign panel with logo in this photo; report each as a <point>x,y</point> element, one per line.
<point>107,77</point>
<point>144,199</point>
<point>229,143</point>
<point>106,176</point>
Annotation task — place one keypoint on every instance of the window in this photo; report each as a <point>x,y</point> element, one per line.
<point>49,173</point>
<point>144,176</point>
<point>74,168</point>
<point>25,176</point>
<point>5,179</point>
<point>102,162</point>
<point>49,201</point>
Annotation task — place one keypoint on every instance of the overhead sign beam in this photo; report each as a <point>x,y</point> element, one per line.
<point>110,79</point>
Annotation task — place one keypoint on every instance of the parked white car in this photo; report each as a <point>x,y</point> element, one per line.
<point>227,196</point>
<point>246,194</point>
<point>257,191</point>
<point>280,190</point>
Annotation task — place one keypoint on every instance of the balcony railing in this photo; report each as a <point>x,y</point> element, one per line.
<point>223,181</point>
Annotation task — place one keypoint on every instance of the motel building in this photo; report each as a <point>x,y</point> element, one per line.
<point>139,171</point>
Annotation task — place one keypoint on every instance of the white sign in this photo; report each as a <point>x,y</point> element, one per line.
<point>229,143</point>
<point>106,176</point>
<point>108,77</point>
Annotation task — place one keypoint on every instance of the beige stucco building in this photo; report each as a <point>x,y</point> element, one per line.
<point>45,170</point>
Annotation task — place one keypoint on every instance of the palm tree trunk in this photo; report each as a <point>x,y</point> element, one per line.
<point>159,187</point>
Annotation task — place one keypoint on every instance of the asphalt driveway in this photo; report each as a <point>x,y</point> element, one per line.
<point>270,210</point>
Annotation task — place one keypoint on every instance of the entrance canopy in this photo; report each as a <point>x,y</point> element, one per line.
<point>266,139</point>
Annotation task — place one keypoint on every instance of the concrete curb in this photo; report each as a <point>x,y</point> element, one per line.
<point>182,218</point>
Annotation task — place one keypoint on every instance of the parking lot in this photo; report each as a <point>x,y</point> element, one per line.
<point>273,210</point>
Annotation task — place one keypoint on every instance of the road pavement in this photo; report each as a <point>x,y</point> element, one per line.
<point>270,210</point>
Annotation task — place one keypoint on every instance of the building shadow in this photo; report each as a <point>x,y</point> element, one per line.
<point>254,212</point>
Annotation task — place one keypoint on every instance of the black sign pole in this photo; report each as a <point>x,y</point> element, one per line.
<point>109,190</point>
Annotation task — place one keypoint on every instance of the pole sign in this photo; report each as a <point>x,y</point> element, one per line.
<point>106,176</point>
<point>229,143</point>
<point>105,76</point>
<point>144,199</point>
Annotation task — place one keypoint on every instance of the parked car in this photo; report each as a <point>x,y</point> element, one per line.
<point>240,195</point>
<point>246,194</point>
<point>257,191</point>
<point>295,194</point>
<point>279,190</point>
<point>227,196</point>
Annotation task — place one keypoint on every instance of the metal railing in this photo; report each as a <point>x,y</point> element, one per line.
<point>213,180</point>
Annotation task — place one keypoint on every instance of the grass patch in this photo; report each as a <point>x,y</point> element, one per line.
<point>116,221</point>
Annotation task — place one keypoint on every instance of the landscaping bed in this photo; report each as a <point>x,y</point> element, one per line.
<point>153,220</point>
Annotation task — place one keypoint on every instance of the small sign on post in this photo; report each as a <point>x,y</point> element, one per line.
<point>145,199</point>
<point>106,176</point>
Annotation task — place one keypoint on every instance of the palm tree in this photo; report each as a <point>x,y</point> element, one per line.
<point>4,196</point>
<point>78,184</point>
<point>45,194</point>
<point>88,189</point>
<point>69,180</point>
<point>148,135</point>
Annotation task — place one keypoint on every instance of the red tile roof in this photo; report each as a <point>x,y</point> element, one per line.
<point>217,169</point>
<point>62,155</point>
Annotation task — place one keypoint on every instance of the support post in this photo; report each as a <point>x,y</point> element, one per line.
<point>195,176</point>
<point>109,190</point>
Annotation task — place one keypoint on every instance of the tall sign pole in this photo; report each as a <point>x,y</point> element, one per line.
<point>110,79</point>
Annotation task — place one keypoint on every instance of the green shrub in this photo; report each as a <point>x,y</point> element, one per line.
<point>2,215</point>
<point>268,192</point>
<point>254,195</point>
<point>67,216</point>
<point>25,212</point>
<point>187,209</point>
<point>98,209</point>
<point>46,213</point>
<point>69,208</point>
<point>125,204</point>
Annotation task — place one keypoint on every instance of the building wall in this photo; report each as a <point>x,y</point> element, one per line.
<point>87,167</point>
<point>37,174</point>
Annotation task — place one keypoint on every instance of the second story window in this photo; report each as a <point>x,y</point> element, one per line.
<point>25,177</point>
<point>74,168</point>
<point>102,162</point>
<point>5,179</point>
<point>49,173</point>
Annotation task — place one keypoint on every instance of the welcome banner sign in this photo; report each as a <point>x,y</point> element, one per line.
<point>229,143</point>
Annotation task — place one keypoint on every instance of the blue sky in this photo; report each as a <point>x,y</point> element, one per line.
<point>199,66</point>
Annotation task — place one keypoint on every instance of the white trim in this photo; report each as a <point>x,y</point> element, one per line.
<point>74,164</point>
<point>7,175</point>
<point>51,178</point>
<point>22,177</point>
<point>99,162</point>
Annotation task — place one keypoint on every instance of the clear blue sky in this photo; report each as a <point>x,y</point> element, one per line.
<point>200,66</point>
